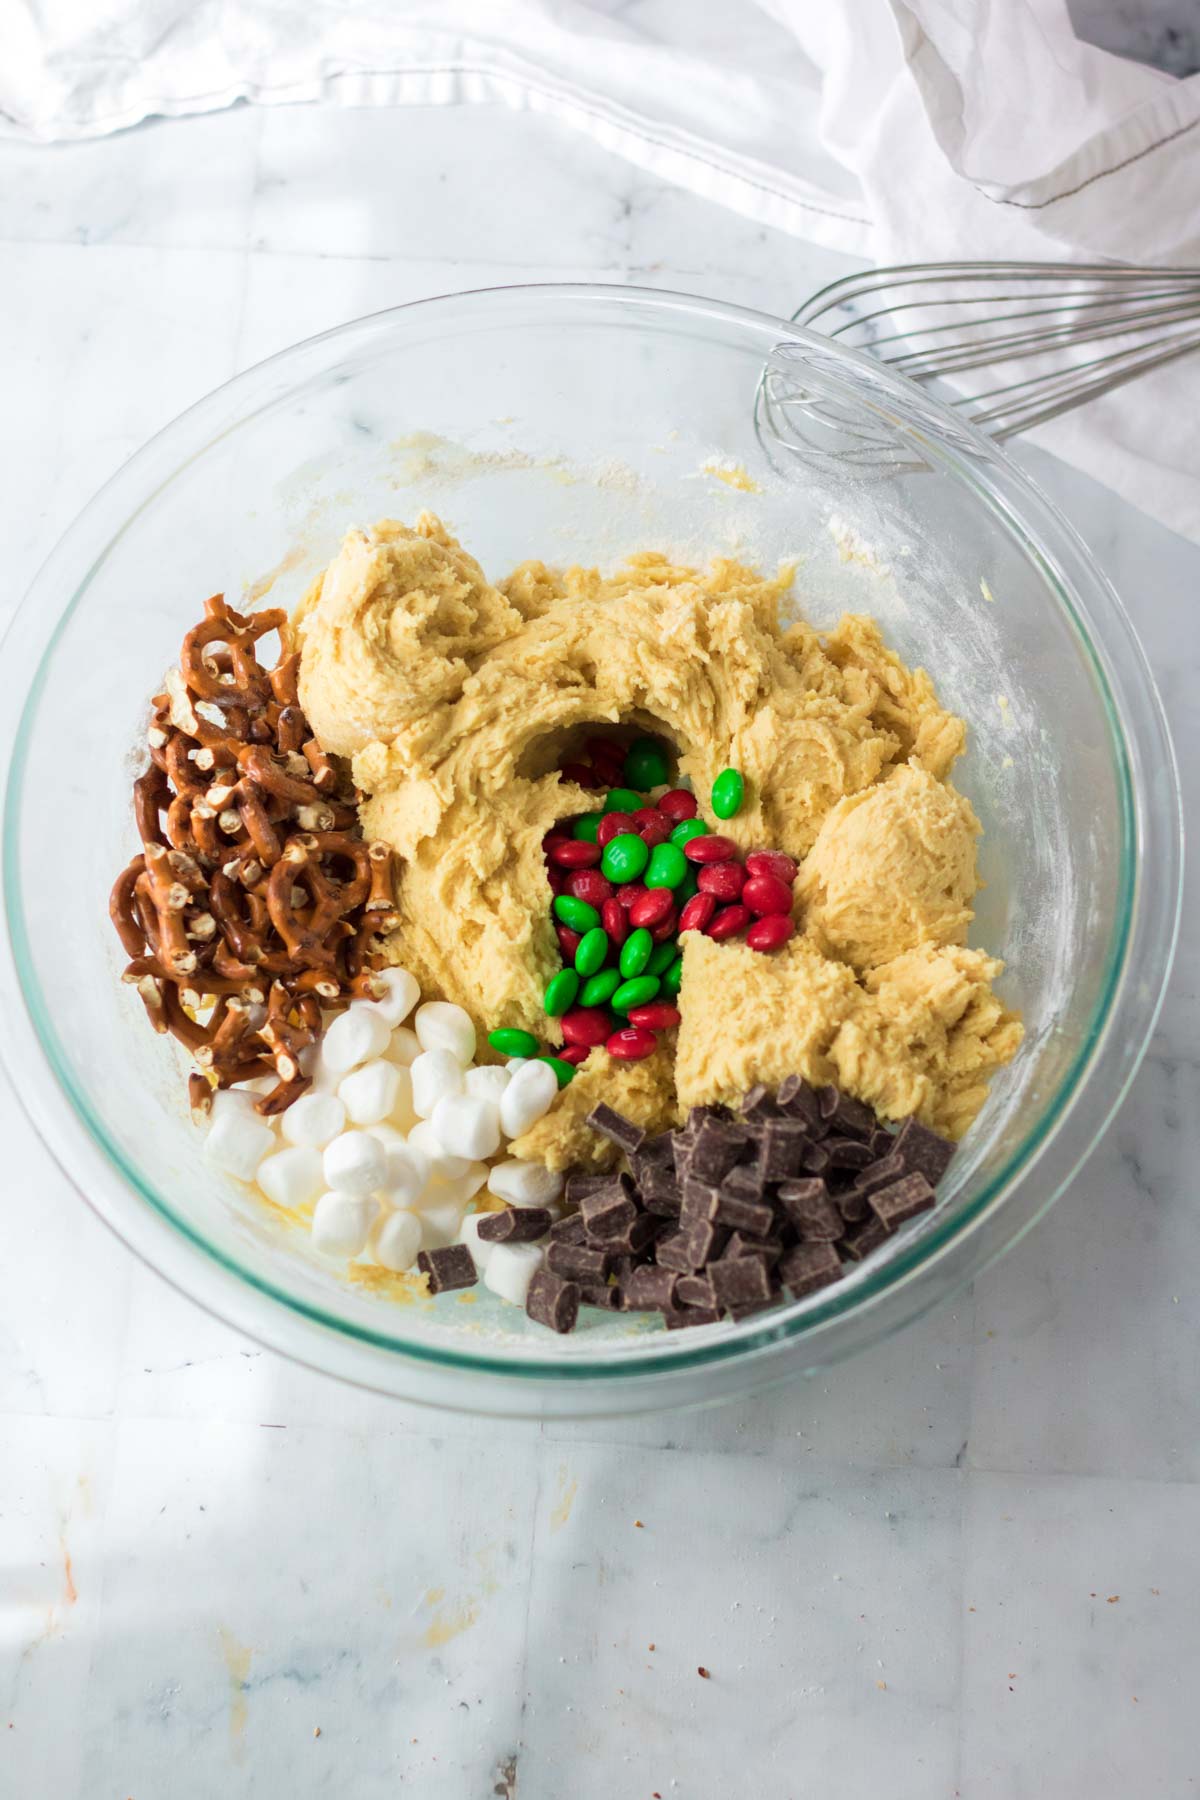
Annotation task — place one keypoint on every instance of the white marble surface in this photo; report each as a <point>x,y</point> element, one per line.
<point>965,1565</point>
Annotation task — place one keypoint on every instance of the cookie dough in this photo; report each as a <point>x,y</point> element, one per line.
<point>457,701</point>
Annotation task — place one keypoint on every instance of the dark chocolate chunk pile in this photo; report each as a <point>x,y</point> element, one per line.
<point>727,1215</point>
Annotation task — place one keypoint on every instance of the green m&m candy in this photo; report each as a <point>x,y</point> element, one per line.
<point>586,826</point>
<point>507,1040</point>
<point>636,952</point>
<point>661,958</point>
<point>575,913</point>
<point>673,978</point>
<point>599,989</point>
<point>687,829</point>
<point>635,993</point>
<point>560,993</point>
<point>623,800</point>
<point>667,867</point>
<point>593,948</point>
<point>563,1071</point>
<point>624,857</point>
<point>728,792</point>
<point>647,765</point>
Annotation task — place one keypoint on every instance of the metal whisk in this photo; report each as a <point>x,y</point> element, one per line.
<point>1016,343</point>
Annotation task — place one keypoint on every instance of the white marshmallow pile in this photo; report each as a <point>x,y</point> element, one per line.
<point>396,1137</point>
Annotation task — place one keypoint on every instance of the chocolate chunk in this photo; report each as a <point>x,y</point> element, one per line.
<point>815,1160</point>
<point>695,1290</point>
<point>515,1225</point>
<point>750,1306</point>
<point>848,1153</point>
<point>649,1287</point>
<point>883,1141</point>
<point>771,1249</point>
<point>658,1149</point>
<point>746,1181</point>
<point>852,1203</point>
<point>637,1236</point>
<point>568,1230</point>
<point>758,1103</point>
<point>924,1152</point>
<point>660,1191</point>
<point>797,1100</point>
<point>577,1262</point>
<point>610,1210</point>
<point>781,1152</point>
<point>591,1295</point>
<point>674,1252</point>
<point>863,1239</point>
<point>737,1280</point>
<point>452,1267</point>
<point>808,1267</point>
<point>677,1318</point>
<point>851,1118</point>
<point>552,1302</point>
<point>700,1199</point>
<point>580,1183</point>
<point>880,1174</point>
<point>827,1101</point>
<point>614,1126</point>
<point>716,1147</point>
<point>704,1241</point>
<point>811,1211</point>
<point>753,1216</point>
<point>903,1200</point>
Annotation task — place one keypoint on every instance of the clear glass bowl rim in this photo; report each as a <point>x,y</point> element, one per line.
<point>1145,933</point>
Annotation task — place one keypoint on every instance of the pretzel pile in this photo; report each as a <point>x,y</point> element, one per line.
<point>254,904</point>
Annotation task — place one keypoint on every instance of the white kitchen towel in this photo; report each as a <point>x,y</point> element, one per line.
<point>896,130</point>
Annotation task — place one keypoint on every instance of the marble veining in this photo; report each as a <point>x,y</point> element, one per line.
<point>963,1565</point>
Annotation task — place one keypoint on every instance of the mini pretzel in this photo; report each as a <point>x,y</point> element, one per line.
<point>151,793</point>
<point>222,625</point>
<point>261,767</point>
<point>121,907</point>
<point>324,773</point>
<point>285,680</point>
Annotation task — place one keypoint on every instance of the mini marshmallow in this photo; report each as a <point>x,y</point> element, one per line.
<point>510,1269</point>
<point>404,1048</point>
<point>395,1240</point>
<point>525,1183</point>
<point>440,1222</point>
<point>238,1100</point>
<point>403,1114</point>
<point>400,995</point>
<point>370,1092</point>
<point>313,1120</point>
<point>528,1096</point>
<point>354,1037</point>
<point>444,1165</point>
<point>486,1084</point>
<point>408,1171</point>
<point>469,1184</point>
<point>341,1224</point>
<point>237,1141</point>
<point>292,1177</point>
<point>443,1026</point>
<point>435,1075</point>
<point>468,1234</point>
<point>355,1163</point>
<point>466,1126</point>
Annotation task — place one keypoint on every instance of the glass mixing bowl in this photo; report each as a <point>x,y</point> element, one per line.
<point>576,424</point>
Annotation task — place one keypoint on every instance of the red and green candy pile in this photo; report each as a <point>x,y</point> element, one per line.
<point>628,879</point>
